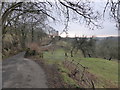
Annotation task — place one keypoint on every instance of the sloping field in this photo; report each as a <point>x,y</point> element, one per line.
<point>106,71</point>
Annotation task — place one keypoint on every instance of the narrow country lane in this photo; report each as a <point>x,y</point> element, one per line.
<point>19,72</point>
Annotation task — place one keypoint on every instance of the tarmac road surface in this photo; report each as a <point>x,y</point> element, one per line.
<point>19,72</point>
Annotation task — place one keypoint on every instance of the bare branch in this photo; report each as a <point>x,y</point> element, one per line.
<point>9,10</point>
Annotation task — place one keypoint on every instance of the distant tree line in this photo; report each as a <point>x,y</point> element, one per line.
<point>26,21</point>
<point>106,48</point>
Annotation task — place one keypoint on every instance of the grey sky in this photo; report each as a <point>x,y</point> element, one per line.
<point>109,26</point>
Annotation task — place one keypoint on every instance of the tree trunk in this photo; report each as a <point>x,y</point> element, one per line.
<point>110,58</point>
<point>32,35</point>
<point>89,55</point>
<point>71,53</point>
<point>118,15</point>
<point>83,53</point>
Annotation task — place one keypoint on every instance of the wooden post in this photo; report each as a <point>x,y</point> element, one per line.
<point>93,86</point>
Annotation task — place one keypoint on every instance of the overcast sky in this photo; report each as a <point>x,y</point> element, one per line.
<point>75,28</point>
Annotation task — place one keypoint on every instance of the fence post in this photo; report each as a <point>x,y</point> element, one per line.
<point>83,73</point>
<point>93,86</point>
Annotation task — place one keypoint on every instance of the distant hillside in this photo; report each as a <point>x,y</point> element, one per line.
<point>97,38</point>
<point>112,38</point>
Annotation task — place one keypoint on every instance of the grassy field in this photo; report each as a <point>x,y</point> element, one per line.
<point>54,57</point>
<point>106,71</point>
<point>103,68</point>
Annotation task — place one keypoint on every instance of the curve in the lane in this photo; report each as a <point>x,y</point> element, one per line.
<point>19,72</point>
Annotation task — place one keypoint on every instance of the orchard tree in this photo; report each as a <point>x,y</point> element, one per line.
<point>41,12</point>
<point>86,45</point>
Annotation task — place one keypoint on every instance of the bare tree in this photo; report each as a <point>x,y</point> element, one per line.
<point>114,10</point>
<point>118,15</point>
<point>37,13</point>
<point>83,9</point>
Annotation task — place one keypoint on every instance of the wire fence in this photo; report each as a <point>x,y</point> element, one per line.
<point>79,73</point>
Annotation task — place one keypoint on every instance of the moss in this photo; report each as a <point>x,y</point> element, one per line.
<point>69,80</point>
<point>64,74</point>
<point>62,69</point>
